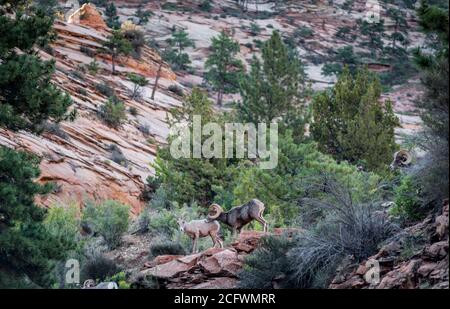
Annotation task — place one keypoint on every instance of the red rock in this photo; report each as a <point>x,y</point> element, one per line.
<point>225,262</point>
<point>87,15</point>
<point>218,283</point>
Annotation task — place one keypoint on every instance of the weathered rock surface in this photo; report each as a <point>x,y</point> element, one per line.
<point>418,258</point>
<point>214,268</point>
<point>78,157</point>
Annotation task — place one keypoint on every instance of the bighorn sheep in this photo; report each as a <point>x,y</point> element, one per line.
<point>201,228</point>
<point>239,216</point>
<point>402,158</point>
<point>90,284</point>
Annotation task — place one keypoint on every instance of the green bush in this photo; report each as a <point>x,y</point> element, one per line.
<point>63,224</point>
<point>407,200</point>
<point>166,247</point>
<point>267,264</point>
<point>113,112</point>
<point>121,280</point>
<point>105,89</point>
<point>98,268</point>
<point>109,219</point>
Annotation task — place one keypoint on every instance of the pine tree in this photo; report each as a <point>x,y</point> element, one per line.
<point>117,45</point>
<point>274,88</point>
<point>27,98</point>
<point>400,33</point>
<point>223,68</point>
<point>138,81</point>
<point>374,32</point>
<point>112,19</point>
<point>142,15</point>
<point>193,179</point>
<point>178,43</point>
<point>352,124</point>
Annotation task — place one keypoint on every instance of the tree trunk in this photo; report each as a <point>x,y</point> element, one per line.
<point>113,60</point>
<point>158,75</point>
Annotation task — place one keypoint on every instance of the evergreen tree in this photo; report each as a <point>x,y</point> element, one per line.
<point>138,81</point>
<point>193,179</point>
<point>352,124</point>
<point>27,98</point>
<point>274,88</point>
<point>117,45</point>
<point>400,34</point>
<point>112,19</point>
<point>432,174</point>
<point>374,32</point>
<point>178,43</point>
<point>142,15</point>
<point>223,68</point>
<point>344,57</point>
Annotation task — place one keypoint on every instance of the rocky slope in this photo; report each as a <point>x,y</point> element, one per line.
<point>416,258</point>
<point>213,268</point>
<point>77,156</point>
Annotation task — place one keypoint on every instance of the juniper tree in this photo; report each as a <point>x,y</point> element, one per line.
<point>223,68</point>
<point>352,124</point>
<point>274,89</point>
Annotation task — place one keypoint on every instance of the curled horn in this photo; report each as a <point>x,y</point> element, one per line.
<point>404,157</point>
<point>89,284</point>
<point>214,211</point>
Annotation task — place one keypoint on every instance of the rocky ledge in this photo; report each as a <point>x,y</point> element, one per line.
<point>416,258</point>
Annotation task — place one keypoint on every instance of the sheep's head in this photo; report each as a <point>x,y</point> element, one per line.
<point>181,223</point>
<point>214,211</point>
<point>401,158</point>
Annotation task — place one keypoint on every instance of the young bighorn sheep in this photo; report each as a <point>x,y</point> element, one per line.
<point>239,216</point>
<point>201,228</point>
<point>402,158</point>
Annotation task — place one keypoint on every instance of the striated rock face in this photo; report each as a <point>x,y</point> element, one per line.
<point>418,258</point>
<point>77,156</point>
<point>215,268</point>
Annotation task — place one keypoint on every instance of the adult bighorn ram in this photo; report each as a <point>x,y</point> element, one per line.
<point>402,158</point>
<point>239,216</point>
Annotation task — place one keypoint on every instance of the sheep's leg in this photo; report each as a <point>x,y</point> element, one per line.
<point>213,238</point>
<point>194,246</point>
<point>219,241</point>
<point>234,232</point>
<point>263,221</point>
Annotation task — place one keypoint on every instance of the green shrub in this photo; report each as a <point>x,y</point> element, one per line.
<point>133,111</point>
<point>176,89</point>
<point>113,112</point>
<point>163,222</point>
<point>105,89</point>
<point>166,247</point>
<point>407,200</point>
<point>121,280</point>
<point>98,268</point>
<point>63,224</point>
<point>93,67</point>
<point>266,264</point>
<point>117,155</point>
<point>109,219</point>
